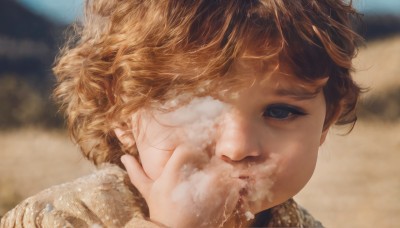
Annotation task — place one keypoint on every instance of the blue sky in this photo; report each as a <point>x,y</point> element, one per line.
<point>65,11</point>
<point>378,6</point>
<point>60,11</point>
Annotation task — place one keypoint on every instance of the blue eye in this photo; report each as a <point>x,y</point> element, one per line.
<point>282,111</point>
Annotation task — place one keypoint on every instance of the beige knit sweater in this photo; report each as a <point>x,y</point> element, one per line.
<point>107,199</point>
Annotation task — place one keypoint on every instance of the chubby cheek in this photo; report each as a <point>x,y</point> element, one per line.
<point>154,163</point>
<point>155,144</point>
<point>294,169</point>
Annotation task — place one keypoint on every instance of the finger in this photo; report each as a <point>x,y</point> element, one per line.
<point>184,155</point>
<point>137,175</point>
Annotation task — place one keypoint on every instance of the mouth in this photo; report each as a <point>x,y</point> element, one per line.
<point>243,207</point>
<point>242,175</point>
<point>243,193</point>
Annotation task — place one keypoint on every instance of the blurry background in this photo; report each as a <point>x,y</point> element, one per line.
<point>356,183</point>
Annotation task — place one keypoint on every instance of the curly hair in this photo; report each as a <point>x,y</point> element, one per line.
<point>128,54</point>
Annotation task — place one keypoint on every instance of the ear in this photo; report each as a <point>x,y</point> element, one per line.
<point>125,136</point>
<point>323,136</point>
<point>327,125</point>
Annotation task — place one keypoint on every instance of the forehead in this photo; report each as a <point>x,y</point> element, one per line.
<point>275,75</point>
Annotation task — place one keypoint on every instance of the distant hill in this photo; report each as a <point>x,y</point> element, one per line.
<point>28,43</point>
<point>377,69</point>
<point>375,26</point>
<point>20,23</point>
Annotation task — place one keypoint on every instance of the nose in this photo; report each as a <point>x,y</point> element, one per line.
<point>237,138</point>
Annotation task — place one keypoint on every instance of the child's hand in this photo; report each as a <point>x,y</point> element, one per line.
<point>211,209</point>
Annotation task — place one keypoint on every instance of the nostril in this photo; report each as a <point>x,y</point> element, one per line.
<point>244,177</point>
<point>232,158</point>
<point>234,147</point>
<point>226,159</point>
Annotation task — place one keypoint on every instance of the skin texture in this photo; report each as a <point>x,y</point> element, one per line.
<point>261,150</point>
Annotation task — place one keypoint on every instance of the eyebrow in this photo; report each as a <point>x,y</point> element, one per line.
<point>298,93</point>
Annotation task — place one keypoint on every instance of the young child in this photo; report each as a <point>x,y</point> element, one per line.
<point>215,109</point>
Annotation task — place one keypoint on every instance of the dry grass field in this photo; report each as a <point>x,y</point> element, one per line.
<point>356,183</point>
<point>33,159</point>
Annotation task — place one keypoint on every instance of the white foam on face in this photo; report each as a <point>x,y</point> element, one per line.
<point>218,184</point>
<point>197,118</point>
<point>208,191</point>
<point>212,181</point>
<point>249,215</point>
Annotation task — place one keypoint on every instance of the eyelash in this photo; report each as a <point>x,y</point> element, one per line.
<point>285,112</point>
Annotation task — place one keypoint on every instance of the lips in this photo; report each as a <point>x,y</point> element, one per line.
<point>241,175</point>
<point>243,192</point>
<point>244,177</point>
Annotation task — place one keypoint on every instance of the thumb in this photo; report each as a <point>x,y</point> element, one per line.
<point>137,175</point>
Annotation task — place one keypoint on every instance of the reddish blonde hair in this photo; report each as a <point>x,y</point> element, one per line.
<point>133,53</point>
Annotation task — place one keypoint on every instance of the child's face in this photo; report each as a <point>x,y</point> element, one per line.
<point>269,132</point>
